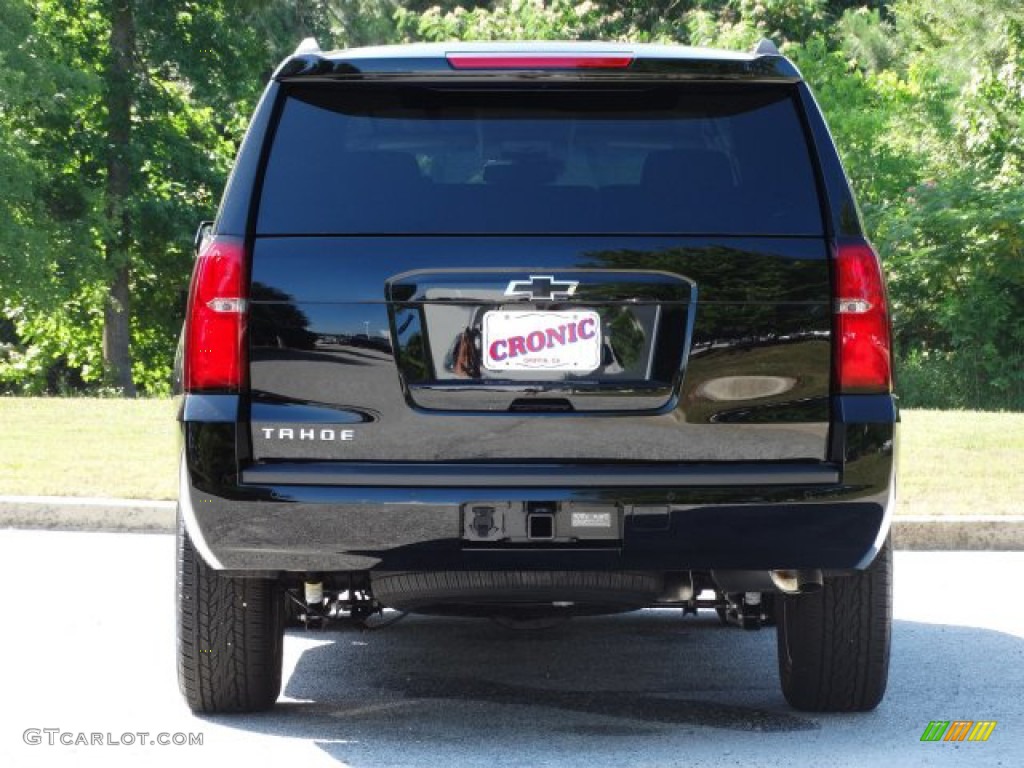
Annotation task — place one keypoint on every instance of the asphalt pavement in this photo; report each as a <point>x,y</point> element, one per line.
<point>88,656</point>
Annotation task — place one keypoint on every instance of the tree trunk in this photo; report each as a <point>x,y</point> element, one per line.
<point>120,99</point>
<point>117,334</point>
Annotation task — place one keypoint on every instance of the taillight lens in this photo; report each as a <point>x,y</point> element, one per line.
<point>863,354</point>
<point>216,319</point>
<point>539,60</point>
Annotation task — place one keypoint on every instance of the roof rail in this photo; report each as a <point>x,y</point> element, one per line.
<point>308,45</point>
<point>766,47</point>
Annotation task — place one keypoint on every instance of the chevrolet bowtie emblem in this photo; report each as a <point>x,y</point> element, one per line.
<point>542,287</point>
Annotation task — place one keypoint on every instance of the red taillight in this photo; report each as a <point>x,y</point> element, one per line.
<point>539,60</point>
<point>216,319</point>
<point>863,355</point>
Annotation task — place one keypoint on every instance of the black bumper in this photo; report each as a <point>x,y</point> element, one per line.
<point>307,517</point>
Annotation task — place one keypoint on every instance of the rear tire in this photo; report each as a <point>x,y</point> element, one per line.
<point>230,636</point>
<point>834,644</point>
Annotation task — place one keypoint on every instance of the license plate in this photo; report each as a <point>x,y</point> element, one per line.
<point>517,340</point>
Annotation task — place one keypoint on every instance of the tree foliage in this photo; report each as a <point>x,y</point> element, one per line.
<point>196,70</point>
<point>924,98</point>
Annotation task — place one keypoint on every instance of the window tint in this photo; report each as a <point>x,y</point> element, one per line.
<point>409,160</point>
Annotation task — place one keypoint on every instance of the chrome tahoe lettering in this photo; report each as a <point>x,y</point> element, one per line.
<point>322,435</point>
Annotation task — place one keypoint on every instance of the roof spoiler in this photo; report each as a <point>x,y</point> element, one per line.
<point>308,45</point>
<point>764,47</point>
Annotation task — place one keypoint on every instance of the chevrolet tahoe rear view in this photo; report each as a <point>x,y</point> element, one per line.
<point>532,331</point>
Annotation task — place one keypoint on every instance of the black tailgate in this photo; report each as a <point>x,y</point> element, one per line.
<point>406,232</point>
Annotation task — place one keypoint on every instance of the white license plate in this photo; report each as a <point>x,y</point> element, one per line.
<point>519,340</point>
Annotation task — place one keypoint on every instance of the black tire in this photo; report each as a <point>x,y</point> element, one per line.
<point>431,591</point>
<point>230,636</point>
<point>834,643</point>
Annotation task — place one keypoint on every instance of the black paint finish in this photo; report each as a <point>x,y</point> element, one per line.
<point>430,61</point>
<point>718,348</point>
<point>711,428</point>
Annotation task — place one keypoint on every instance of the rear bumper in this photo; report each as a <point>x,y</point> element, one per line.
<point>307,517</point>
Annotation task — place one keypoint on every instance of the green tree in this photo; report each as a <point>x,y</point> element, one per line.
<point>119,102</point>
<point>514,20</point>
<point>46,264</point>
<point>24,83</point>
<point>139,110</point>
<point>119,120</point>
<point>957,241</point>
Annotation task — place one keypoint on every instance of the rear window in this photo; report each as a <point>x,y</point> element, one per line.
<point>426,160</point>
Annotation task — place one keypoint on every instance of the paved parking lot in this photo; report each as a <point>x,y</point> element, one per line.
<point>88,648</point>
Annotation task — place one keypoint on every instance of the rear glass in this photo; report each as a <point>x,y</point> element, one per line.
<point>421,160</point>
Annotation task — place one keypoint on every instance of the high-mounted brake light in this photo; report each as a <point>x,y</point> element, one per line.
<point>216,319</point>
<point>863,354</point>
<point>539,60</point>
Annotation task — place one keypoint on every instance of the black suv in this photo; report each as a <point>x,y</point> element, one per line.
<point>531,331</point>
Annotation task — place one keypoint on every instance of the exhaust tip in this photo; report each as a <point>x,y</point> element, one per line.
<point>798,582</point>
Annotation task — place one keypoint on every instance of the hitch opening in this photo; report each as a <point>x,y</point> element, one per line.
<point>540,525</point>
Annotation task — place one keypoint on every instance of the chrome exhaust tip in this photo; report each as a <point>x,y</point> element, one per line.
<point>797,582</point>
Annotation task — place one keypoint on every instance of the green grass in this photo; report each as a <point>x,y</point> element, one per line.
<point>951,462</point>
<point>88,447</point>
<point>961,463</point>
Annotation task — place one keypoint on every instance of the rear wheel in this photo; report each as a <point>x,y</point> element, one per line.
<point>230,636</point>
<point>834,643</point>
